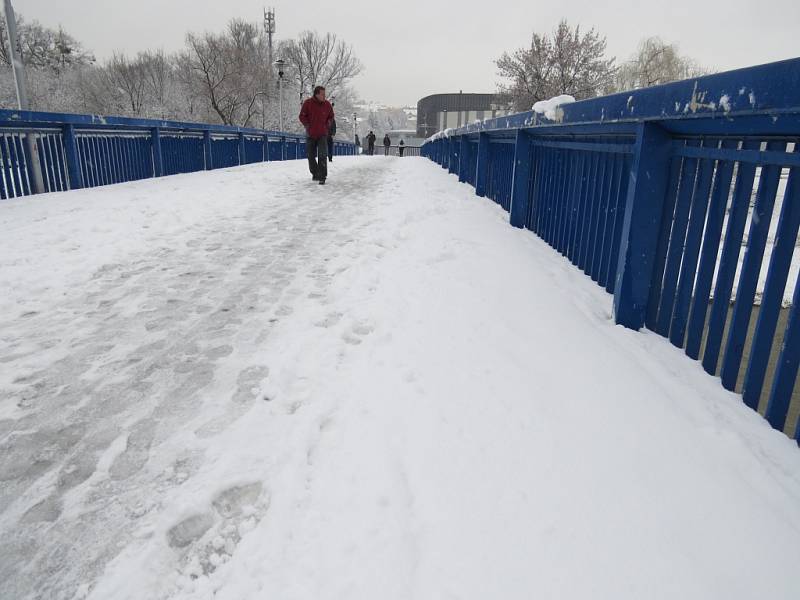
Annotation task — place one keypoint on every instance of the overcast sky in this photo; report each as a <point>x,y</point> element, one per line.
<point>413,48</point>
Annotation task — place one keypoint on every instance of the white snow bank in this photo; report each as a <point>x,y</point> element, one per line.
<point>548,107</point>
<point>377,389</point>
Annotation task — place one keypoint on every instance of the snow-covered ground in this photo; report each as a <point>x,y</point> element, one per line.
<point>237,384</point>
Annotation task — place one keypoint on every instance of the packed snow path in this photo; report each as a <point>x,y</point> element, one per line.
<point>237,384</point>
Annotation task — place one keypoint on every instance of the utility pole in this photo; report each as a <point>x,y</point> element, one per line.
<point>23,103</point>
<point>269,29</point>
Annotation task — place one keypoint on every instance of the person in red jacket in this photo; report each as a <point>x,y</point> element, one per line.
<point>317,116</point>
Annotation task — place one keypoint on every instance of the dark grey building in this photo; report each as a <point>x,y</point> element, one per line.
<point>442,111</point>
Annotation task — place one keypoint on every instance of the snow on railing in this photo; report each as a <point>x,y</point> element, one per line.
<point>649,192</point>
<point>78,151</point>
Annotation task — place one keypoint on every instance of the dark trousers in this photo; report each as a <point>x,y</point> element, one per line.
<point>330,148</point>
<point>371,149</point>
<point>386,150</point>
<point>317,148</point>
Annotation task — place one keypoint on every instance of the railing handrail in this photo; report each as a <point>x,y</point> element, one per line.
<point>27,119</point>
<point>768,90</point>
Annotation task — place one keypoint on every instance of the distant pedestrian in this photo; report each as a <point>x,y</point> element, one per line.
<point>331,135</point>
<point>371,143</point>
<point>387,142</point>
<point>401,146</point>
<point>316,116</point>
<point>358,145</point>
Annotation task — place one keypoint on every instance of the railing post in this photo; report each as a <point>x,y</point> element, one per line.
<point>73,160</point>
<point>242,150</point>
<point>209,159</point>
<point>266,148</point>
<point>521,179</point>
<point>158,160</point>
<point>482,168</point>
<point>463,156</point>
<point>642,221</point>
<point>283,147</point>
<point>452,165</point>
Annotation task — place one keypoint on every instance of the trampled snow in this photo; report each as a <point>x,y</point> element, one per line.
<point>237,384</point>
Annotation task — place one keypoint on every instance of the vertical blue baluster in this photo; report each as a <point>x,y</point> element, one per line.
<point>550,192</point>
<point>482,168</point>
<point>155,145</point>
<point>463,162</point>
<point>5,155</point>
<point>44,162</point>
<point>566,191</point>
<point>242,150</point>
<point>680,223</point>
<point>616,235</point>
<point>603,186</point>
<point>780,261</point>
<point>694,233</point>
<point>555,188</point>
<point>709,252</point>
<point>22,169</point>
<point>613,224</point>
<point>579,205</point>
<point>207,156</point>
<point>597,192</point>
<point>586,234</point>
<point>748,279</point>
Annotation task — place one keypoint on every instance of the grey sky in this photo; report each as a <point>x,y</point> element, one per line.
<point>413,48</point>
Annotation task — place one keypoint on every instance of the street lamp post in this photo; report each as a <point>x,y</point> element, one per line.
<point>280,64</point>
<point>22,96</point>
<point>355,127</point>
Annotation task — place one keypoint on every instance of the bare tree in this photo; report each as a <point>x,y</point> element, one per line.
<point>157,72</point>
<point>313,59</point>
<point>564,62</point>
<point>42,47</point>
<point>229,69</point>
<point>654,63</point>
<point>126,77</point>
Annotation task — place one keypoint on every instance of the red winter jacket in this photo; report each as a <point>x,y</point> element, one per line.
<point>316,117</point>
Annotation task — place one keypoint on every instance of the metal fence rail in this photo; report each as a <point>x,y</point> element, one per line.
<point>395,150</point>
<point>676,199</point>
<point>79,151</point>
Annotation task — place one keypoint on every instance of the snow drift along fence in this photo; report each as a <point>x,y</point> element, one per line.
<point>80,151</point>
<point>649,193</point>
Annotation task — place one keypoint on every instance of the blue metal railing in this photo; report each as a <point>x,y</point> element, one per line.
<point>79,151</point>
<point>649,193</point>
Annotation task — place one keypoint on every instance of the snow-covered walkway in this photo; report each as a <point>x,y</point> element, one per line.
<point>239,385</point>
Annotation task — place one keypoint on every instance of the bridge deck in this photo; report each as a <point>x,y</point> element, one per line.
<point>240,382</point>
